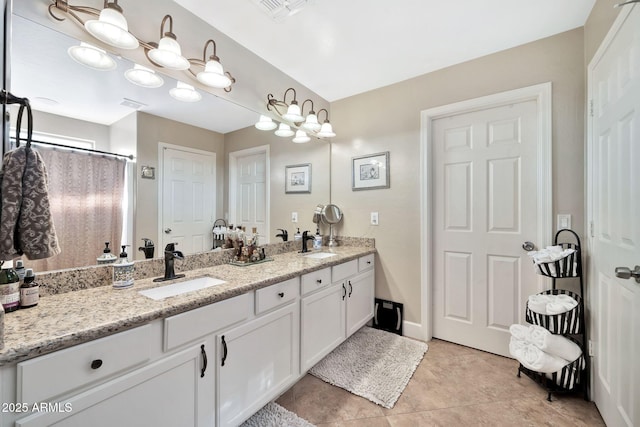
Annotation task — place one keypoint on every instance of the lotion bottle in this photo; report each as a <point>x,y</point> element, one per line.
<point>123,271</point>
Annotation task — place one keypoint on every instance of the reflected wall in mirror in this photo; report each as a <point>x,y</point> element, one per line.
<point>73,101</point>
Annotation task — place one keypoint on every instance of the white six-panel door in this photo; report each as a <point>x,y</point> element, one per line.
<point>614,215</point>
<point>188,198</point>
<point>484,207</point>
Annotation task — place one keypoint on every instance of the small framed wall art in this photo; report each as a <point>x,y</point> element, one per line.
<point>370,172</point>
<point>297,178</point>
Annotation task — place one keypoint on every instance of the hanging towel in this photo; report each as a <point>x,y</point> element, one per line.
<point>533,358</point>
<point>26,226</point>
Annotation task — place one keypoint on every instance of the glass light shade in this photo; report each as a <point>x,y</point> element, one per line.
<point>265,123</point>
<point>142,76</point>
<point>213,75</point>
<point>168,54</point>
<point>293,113</point>
<point>111,28</point>
<point>185,92</point>
<point>284,131</point>
<point>326,131</point>
<point>311,123</point>
<point>92,57</point>
<point>301,137</point>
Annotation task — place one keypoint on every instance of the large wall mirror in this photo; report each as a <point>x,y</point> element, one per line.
<point>74,102</point>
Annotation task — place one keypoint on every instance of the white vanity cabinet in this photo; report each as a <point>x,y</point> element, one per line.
<point>259,359</point>
<point>335,312</point>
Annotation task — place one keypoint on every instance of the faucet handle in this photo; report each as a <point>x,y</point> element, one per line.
<point>170,247</point>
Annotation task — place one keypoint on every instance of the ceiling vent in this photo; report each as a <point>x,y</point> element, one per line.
<point>132,104</point>
<point>280,9</point>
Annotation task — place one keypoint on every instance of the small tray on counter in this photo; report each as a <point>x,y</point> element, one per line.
<point>246,264</point>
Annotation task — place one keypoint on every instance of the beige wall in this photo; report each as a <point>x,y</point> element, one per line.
<point>151,131</point>
<point>388,119</point>
<point>600,19</point>
<point>283,152</point>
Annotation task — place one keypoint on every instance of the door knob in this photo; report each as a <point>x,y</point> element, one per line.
<point>167,230</point>
<point>627,273</point>
<point>528,246</point>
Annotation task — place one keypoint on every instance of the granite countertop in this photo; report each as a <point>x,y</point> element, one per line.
<point>64,320</point>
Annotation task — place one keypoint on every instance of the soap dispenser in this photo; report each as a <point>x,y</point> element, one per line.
<point>297,236</point>
<point>317,240</point>
<point>123,271</point>
<point>107,257</point>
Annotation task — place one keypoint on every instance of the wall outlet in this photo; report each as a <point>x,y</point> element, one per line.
<point>294,216</point>
<point>374,218</point>
<point>564,221</point>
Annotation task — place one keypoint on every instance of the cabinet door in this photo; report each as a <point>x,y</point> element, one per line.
<point>323,323</point>
<point>174,391</point>
<point>257,361</point>
<point>360,299</point>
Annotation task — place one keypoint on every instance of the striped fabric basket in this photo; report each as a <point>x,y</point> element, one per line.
<point>563,323</point>
<point>564,267</point>
<point>565,379</point>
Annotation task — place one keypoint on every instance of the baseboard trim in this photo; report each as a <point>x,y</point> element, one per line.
<point>412,330</point>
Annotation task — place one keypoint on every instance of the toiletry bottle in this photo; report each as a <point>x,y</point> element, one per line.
<point>9,289</point>
<point>107,257</point>
<point>297,236</point>
<point>29,290</point>
<point>123,271</point>
<point>317,241</point>
<point>20,269</point>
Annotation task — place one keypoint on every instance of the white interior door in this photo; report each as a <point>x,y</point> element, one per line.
<point>614,210</point>
<point>485,193</point>
<point>250,186</point>
<point>187,198</point>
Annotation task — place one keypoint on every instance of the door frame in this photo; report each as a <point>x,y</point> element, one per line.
<point>161,147</point>
<point>541,93</point>
<point>233,182</point>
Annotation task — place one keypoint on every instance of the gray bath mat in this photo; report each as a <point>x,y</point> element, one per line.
<point>373,364</point>
<point>274,415</point>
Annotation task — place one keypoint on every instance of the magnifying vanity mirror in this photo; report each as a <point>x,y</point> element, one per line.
<point>71,100</point>
<point>331,214</point>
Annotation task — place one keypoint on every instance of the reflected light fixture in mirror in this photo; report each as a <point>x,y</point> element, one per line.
<point>184,92</point>
<point>92,57</point>
<point>167,53</point>
<point>311,122</point>
<point>326,130</point>
<point>301,137</point>
<point>284,130</point>
<point>111,27</point>
<point>266,123</point>
<point>143,76</point>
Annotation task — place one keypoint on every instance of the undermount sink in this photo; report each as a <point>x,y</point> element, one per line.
<point>319,255</point>
<point>179,288</point>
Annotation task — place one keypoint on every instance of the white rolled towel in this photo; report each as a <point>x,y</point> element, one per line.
<point>533,358</point>
<point>519,332</point>
<point>538,303</point>
<point>561,303</point>
<point>555,345</point>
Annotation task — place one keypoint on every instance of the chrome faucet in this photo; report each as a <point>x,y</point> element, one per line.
<point>170,254</point>
<point>305,237</point>
<point>284,234</point>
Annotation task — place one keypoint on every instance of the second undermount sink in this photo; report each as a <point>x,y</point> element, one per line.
<point>319,255</point>
<point>178,288</point>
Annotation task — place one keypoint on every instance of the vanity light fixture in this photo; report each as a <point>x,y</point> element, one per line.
<point>111,27</point>
<point>167,53</point>
<point>301,137</point>
<point>293,114</point>
<point>92,57</point>
<point>266,123</point>
<point>184,92</point>
<point>284,130</point>
<point>326,130</point>
<point>143,76</point>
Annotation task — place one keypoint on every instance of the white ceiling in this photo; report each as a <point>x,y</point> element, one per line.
<point>339,48</point>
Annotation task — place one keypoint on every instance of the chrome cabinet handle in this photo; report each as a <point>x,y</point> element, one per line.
<point>627,273</point>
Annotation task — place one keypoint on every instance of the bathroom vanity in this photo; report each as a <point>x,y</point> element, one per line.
<point>208,357</point>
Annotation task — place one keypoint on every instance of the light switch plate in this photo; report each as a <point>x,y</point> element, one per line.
<point>374,218</point>
<point>294,216</point>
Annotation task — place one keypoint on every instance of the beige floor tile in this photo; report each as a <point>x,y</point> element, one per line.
<point>453,386</point>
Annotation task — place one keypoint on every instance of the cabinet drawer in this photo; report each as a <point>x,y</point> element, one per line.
<point>277,295</point>
<point>366,262</point>
<point>316,280</point>
<point>191,325</point>
<point>342,271</point>
<point>48,376</point>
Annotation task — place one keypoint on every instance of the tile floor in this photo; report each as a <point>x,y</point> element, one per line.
<point>453,386</point>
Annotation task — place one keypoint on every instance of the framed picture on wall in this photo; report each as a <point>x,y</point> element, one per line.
<point>370,172</point>
<point>297,178</point>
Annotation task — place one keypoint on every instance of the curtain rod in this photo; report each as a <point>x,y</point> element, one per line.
<point>91,150</point>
